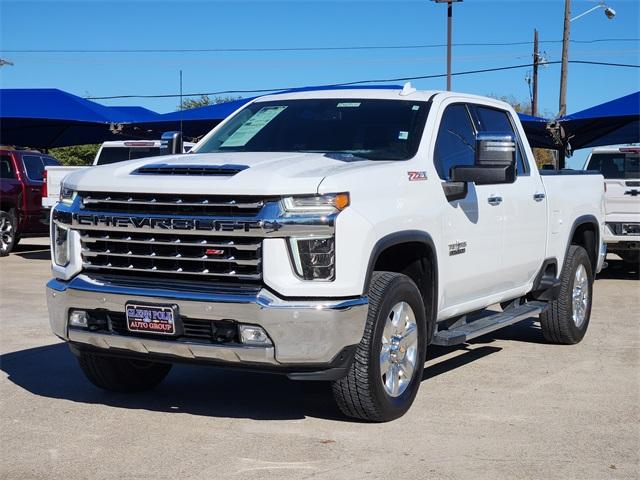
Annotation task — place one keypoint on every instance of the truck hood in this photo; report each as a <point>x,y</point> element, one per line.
<point>261,173</point>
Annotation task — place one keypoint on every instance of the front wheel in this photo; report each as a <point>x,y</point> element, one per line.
<point>386,372</point>
<point>567,318</point>
<point>121,374</point>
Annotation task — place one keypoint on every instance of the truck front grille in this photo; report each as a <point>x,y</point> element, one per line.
<point>214,255</point>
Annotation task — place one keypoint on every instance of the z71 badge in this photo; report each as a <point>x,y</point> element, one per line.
<point>416,176</point>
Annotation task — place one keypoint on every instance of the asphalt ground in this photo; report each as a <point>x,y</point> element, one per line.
<point>506,406</point>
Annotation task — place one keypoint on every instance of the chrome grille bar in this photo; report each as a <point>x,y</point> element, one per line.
<point>177,242</point>
<point>131,268</point>
<point>96,253</point>
<point>178,202</point>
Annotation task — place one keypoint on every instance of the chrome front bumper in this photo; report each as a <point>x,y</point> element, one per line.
<point>303,332</point>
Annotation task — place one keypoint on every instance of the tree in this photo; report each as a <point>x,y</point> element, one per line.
<point>543,156</point>
<point>204,100</point>
<point>76,154</point>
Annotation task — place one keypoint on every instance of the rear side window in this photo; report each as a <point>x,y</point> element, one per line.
<point>455,144</point>
<point>34,166</point>
<point>494,120</point>
<point>616,165</point>
<point>122,154</point>
<point>6,167</point>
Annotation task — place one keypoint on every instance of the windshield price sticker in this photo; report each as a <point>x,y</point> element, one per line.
<point>349,105</point>
<point>251,127</point>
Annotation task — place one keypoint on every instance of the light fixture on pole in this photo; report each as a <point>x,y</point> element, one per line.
<point>608,11</point>
<point>449,34</point>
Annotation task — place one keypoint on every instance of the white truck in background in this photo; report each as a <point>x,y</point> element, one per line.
<point>324,235</point>
<point>620,167</point>
<point>109,152</point>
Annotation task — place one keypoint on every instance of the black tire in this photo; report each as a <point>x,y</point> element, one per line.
<point>557,321</point>
<point>631,257</point>
<point>121,374</point>
<point>361,394</point>
<point>7,233</point>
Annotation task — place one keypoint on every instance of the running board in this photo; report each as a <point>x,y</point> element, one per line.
<point>458,334</point>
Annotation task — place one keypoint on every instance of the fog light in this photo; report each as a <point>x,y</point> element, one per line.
<point>253,335</point>
<point>79,318</point>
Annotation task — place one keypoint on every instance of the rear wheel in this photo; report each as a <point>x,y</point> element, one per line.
<point>384,377</point>
<point>121,374</point>
<point>567,318</point>
<point>7,233</point>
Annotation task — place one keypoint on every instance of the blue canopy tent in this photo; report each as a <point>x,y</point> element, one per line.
<point>47,118</point>
<point>610,123</point>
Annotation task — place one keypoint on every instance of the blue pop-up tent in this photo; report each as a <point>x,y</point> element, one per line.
<point>46,118</point>
<point>610,123</point>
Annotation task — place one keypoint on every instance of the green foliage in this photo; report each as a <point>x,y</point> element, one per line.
<point>204,100</point>
<point>76,154</point>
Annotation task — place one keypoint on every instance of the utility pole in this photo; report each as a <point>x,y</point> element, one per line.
<point>562,108</point>
<point>449,36</point>
<point>536,62</point>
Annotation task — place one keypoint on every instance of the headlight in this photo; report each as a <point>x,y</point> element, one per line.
<point>314,258</point>
<point>60,245</point>
<point>316,204</point>
<point>67,195</point>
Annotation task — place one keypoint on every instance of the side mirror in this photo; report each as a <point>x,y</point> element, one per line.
<point>171,143</point>
<point>495,161</point>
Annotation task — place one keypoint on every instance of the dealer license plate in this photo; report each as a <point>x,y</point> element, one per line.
<point>157,319</point>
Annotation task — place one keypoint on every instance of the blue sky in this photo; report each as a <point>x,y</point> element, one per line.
<point>241,24</point>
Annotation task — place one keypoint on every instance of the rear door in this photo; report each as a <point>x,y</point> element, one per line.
<point>524,207</point>
<point>621,172</point>
<point>34,172</point>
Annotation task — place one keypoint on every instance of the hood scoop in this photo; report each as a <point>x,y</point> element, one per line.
<point>226,170</point>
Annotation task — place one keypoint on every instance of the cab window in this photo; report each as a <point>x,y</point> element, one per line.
<point>494,120</point>
<point>455,144</point>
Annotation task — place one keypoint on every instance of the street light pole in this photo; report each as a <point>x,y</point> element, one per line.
<point>608,11</point>
<point>562,108</point>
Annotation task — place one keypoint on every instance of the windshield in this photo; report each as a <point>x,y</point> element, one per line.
<point>359,128</point>
<point>616,165</point>
<point>120,154</point>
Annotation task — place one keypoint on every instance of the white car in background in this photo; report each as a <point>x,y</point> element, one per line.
<point>109,152</point>
<point>620,167</point>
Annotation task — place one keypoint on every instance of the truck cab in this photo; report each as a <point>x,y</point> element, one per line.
<point>620,167</point>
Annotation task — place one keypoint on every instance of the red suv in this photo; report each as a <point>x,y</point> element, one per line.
<point>21,212</point>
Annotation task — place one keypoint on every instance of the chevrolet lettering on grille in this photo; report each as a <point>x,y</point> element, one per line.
<point>138,222</point>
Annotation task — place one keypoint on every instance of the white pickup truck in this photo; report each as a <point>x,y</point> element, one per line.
<point>620,167</point>
<point>325,235</point>
<point>109,152</point>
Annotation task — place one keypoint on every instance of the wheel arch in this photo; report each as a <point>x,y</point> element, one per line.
<point>413,253</point>
<point>585,232</point>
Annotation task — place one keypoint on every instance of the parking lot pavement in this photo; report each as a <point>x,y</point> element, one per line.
<point>506,406</point>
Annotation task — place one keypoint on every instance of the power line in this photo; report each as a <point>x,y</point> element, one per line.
<point>379,80</point>
<point>308,49</point>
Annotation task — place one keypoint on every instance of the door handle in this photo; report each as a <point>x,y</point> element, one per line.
<point>538,197</point>
<point>494,200</point>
